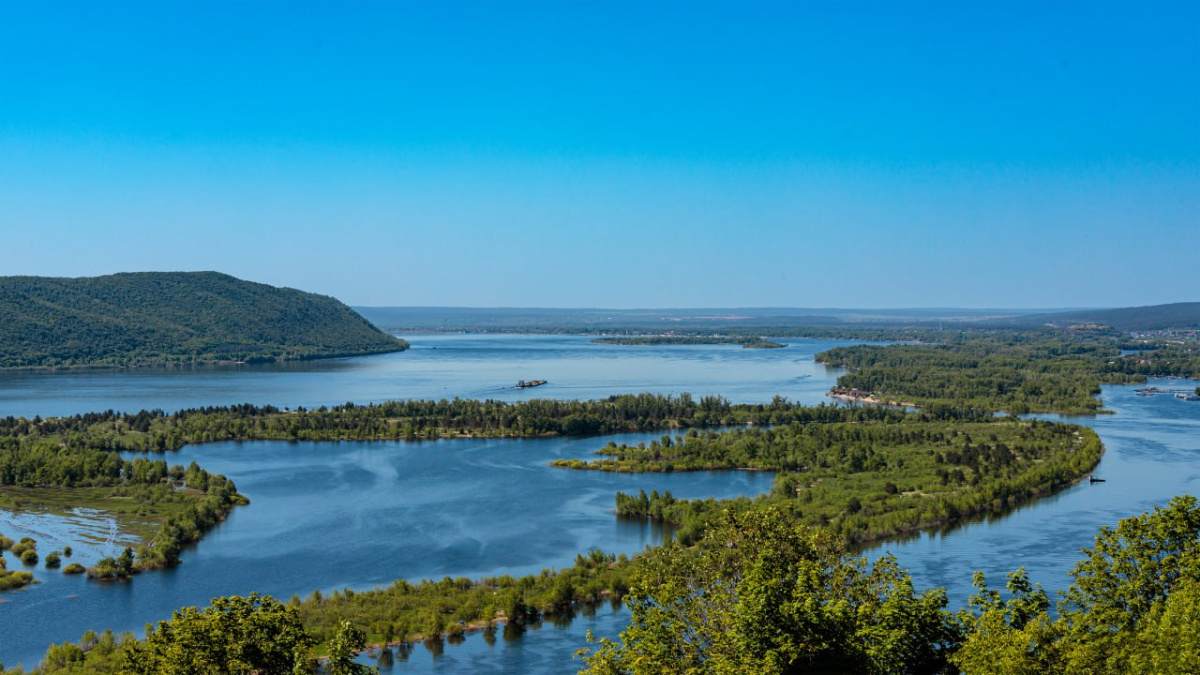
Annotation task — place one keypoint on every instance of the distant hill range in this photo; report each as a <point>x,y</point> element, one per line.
<point>1180,315</point>
<point>774,321</point>
<point>173,318</point>
<point>743,319</point>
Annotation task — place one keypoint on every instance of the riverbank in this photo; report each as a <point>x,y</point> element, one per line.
<point>867,397</point>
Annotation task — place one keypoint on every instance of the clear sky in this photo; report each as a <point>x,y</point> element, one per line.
<point>612,154</point>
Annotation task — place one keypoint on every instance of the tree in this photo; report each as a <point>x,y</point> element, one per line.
<point>344,646</point>
<point>1131,608</point>
<point>234,635</point>
<point>761,594</point>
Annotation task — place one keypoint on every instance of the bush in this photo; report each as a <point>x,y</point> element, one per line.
<point>53,561</point>
<point>15,579</point>
<point>74,568</point>
<point>29,556</point>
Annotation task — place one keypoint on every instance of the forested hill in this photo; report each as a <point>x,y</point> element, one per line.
<point>1181,315</point>
<point>173,318</point>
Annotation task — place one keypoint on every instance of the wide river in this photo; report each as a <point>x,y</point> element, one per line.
<point>334,515</point>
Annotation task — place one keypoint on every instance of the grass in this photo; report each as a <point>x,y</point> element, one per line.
<point>138,515</point>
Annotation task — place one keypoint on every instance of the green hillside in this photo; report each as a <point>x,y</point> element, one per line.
<point>173,318</point>
<point>1179,315</point>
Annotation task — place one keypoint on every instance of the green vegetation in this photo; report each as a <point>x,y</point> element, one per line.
<point>150,431</point>
<point>1011,372</point>
<point>761,594</point>
<point>1131,607</point>
<point>58,465</point>
<point>653,340</point>
<point>1154,317</point>
<point>173,319</point>
<point>114,569</point>
<point>431,609</point>
<point>866,480</point>
<point>758,593</point>
<point>74,568</point>
<point>234,635</point>
<point>15,578</point>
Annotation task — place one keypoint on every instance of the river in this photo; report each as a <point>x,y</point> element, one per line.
<point>334,515</point>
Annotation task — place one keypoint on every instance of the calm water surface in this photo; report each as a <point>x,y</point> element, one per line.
<point>333,515</point>
<point>442,366</point>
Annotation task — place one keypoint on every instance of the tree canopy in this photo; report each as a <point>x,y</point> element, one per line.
<point>173,318</point>
<point>762,594</point>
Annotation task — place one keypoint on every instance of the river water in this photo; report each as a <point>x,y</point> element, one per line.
<point>334,515</point>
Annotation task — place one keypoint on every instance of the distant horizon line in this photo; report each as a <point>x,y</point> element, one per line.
<point>753,309</point>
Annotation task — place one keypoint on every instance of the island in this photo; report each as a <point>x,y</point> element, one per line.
<point>660,340</point>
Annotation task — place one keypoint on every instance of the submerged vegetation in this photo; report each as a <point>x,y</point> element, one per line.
<point>10,579</point>
<point>45,465</point>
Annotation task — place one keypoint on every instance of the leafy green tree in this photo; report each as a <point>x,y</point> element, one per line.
<point>344,646</point>
<point>1131,608</point>
<point>761,594</point>
<point>235,635</point>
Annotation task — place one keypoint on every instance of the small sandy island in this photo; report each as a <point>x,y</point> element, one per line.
<point>862,396</point>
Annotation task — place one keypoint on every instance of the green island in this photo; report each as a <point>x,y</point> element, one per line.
<point>173,319</point>
<point>1016,372</point>
<point>865,480</point>
<point>658,340</point>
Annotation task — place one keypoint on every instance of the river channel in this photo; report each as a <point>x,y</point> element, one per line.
<point>334,515</point>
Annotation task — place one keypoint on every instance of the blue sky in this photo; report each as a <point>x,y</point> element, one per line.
<point>807,154</point>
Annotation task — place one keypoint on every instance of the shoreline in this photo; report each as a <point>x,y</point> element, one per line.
<point>871,398</point>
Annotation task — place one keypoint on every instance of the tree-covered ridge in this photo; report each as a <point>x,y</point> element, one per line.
<point>1005,372</point>
<point>1153,317</point>
<point>866,480</point>
<point>173,318</point>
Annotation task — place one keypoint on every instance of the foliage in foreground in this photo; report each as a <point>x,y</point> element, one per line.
<point>761,594</point>
<point>1134,607</point>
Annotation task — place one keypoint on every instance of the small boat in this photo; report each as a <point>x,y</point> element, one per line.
<point>1093,479</point>
<point>522,384</point>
